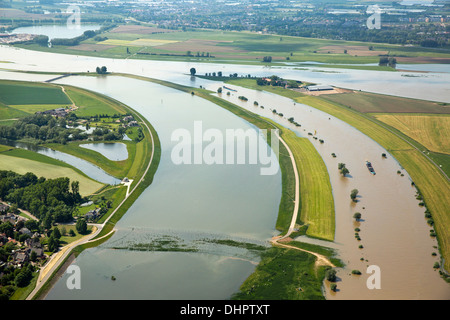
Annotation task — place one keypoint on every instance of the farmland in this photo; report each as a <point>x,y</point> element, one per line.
<point>20,93</point>
<point>430,130</point>
<point>367,102</point>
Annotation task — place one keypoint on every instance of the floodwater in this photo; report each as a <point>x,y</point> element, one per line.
<point>187,205</point>
<point>57,31</point>
<point>113,151</point>
<point>181,203</point>
<point>430,86</point>
<point>394,232</point>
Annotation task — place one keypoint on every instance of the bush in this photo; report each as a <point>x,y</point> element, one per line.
<point>330,275</point>
<point>353,194</point>
<point>357,272</point>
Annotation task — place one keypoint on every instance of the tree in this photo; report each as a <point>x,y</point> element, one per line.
<point>193,71</point>
<point>81,226</point>
<point>330,275</point>
<point>357,216</point>
<point>354,194</point>
<point>56,233</point>
<point>219,90</point>
<point>52,244</point>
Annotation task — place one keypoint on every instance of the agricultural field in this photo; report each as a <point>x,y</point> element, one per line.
<point>149,42</point>
<point>430,130</point>
<point>21,99</point>
<point>367,102</point>
<point>26,93</point>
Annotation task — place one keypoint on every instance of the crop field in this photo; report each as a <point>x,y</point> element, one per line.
<point>33,108</point>
<point>432,131</point>
<point>376,103</point>
<point>20,93</point>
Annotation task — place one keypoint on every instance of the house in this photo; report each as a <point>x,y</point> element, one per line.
<point>25,231</point>
<point>20,257</point>
<point>9,217</point>
<point>3,208</point>
<point>133,124</point>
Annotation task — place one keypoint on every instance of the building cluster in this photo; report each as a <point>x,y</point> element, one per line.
<point>58,112</point>
<point>130,122</point>
<point>6,38</point>
<point>29,249</point>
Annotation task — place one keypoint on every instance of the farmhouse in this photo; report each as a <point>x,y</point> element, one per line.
<point>59,112</point>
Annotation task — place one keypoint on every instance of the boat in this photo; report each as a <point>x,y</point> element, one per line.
<point>229,89</point>
<point>369,166</point>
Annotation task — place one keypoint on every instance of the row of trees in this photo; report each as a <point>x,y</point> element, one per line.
<point>50,200</point>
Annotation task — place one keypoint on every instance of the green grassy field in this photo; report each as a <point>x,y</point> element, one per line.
<point>24,93</point>
<point>90,104</point>
<point>283,274</point>
<point>22,164</point>
<point>317,204</point>
<point>432,131</point>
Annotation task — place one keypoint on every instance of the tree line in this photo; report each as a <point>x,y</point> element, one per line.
<point>50,200</point>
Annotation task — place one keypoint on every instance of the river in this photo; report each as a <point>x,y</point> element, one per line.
<point>190,203</point>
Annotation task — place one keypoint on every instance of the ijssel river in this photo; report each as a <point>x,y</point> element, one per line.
<point>192,204</point>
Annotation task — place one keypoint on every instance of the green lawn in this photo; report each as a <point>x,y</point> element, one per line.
<point>283,274</point>
<point>90,104</point>
<point>22,93</point>
<point>21,165</point>
<point>317,203</point>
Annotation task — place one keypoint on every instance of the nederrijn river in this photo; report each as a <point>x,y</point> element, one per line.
<point>192,204</point>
